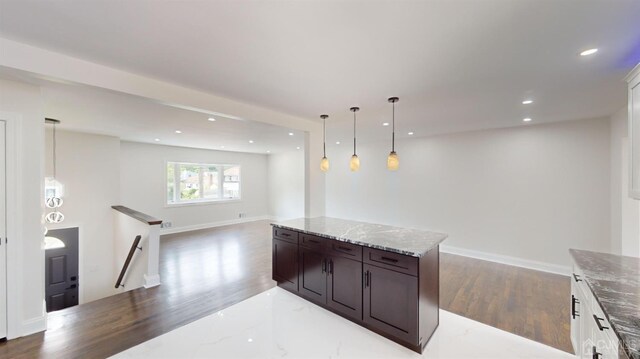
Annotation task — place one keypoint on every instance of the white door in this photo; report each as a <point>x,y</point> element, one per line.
<point>3,231</point>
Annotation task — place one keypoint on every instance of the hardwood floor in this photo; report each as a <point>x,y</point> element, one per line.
<point>525,302</point>
<point>205,271</point>
<point>201,272</point>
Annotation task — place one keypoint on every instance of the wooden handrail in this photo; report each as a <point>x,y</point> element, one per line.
<point>134,246</point>
<point>144,218</point>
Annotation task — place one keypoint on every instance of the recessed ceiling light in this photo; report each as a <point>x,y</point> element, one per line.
<point>588,52</point>
<point>337,142</point>
<point>527,102</point>
<point>212,119</point>
<point>385,124</point>
<point>250,340</point>
<point>268,151</point>
<point>250,141</point>
<point>157,140</point>
<point>297,148</point>
<point>221,146</point>
<point>528,119</point>
<point>290,133</point>
<point>178,131</point>
<point>410,133</point>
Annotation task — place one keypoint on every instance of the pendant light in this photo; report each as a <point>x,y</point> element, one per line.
<point>354,164</point>
<point>392,160</point>
<point>53,188</point>
<point>324,163</point>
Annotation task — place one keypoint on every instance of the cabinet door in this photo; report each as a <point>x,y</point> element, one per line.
<point>285,264</point>
<point>575,318</point>
<point>391,302</point>
<point>313,276</point>
<point>344,287</point>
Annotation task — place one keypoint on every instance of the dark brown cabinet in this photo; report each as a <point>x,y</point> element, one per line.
<point>313,275</point>
<point>390,303</point>
<point>285,264</point>
<point>390,293</point>
<point>344,287</point>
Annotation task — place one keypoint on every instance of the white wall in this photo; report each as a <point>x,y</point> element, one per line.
<point>287,185</point>
<point>625,211</point>
<point>88,166</point>
<point>26,280</point>
<point>143,187</point>
<point>528,192</point>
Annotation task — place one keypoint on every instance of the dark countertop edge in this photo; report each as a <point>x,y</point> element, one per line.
<point>364,244</point>
<point>623,343</point>
<point>144,218</point>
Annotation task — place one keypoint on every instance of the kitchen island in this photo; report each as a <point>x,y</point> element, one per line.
<point>381,277</point>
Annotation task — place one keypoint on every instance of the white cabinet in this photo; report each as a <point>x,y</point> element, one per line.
<point>591,333</point>
<point>633,79</point>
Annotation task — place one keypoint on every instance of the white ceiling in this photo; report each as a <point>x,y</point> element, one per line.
<point>456,65</point>
<point>91,110</point>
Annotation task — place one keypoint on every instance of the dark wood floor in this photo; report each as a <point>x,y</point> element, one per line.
<point>205,271</point>
<point>532,304</point>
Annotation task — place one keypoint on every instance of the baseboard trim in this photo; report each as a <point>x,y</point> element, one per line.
<point>513,261</point>
<point>151,280</point>
<point>34,325</point>
<point>211,225</point>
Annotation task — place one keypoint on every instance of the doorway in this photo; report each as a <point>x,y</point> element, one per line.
<point>61,268</point>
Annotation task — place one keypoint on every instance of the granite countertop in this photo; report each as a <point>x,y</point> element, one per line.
<point>615,283</point>
<point>412,242</point>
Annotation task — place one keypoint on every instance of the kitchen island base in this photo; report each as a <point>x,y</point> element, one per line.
<point>392,294</point>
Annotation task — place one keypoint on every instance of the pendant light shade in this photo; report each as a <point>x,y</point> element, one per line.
<point>393,162</point>
<point>324,163</point>
<point>354,164</point>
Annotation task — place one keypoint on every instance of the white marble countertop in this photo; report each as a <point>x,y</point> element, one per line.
<point>412,242</point>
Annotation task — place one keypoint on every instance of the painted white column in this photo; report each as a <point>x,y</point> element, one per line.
<point>152,276</point>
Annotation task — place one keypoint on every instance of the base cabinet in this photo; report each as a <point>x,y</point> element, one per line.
<point>390,302</point>
<point>313,275</point>
<point>344,287</point>
<point>394,295</point>
<point>591,333</point>
<point>284,263</point>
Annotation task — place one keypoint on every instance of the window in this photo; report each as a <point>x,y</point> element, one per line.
<point>193,183</point>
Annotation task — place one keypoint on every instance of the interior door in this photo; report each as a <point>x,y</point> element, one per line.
<point>3,232</point>
<point>61,268</point>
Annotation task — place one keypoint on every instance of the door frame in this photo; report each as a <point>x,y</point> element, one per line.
<point>14,221</point>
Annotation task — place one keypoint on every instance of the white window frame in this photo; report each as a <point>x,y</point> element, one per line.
<point>201,201</point>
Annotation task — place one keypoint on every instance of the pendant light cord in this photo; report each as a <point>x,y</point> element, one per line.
<point>54,150</point>
<point>324,137</point>
<point>393,131</point>
<point>354,133</point>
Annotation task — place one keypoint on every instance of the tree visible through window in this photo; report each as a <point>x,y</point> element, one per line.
<point>190,182</point>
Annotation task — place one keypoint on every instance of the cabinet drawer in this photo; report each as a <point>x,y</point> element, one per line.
<point>344,249</point>
<point>313,242</point>
<point>285,235</point>
<point>394,261</point>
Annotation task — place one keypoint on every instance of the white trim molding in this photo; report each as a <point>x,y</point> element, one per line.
<point>34,325</point>
<point>151,281</point>
<point>196,227</point>
<point>513,261</point>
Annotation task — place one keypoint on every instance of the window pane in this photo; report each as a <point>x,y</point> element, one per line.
<point>231,185</point>
<point>210,182</point>
<point>171,185</point>
<point>189,182</point>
